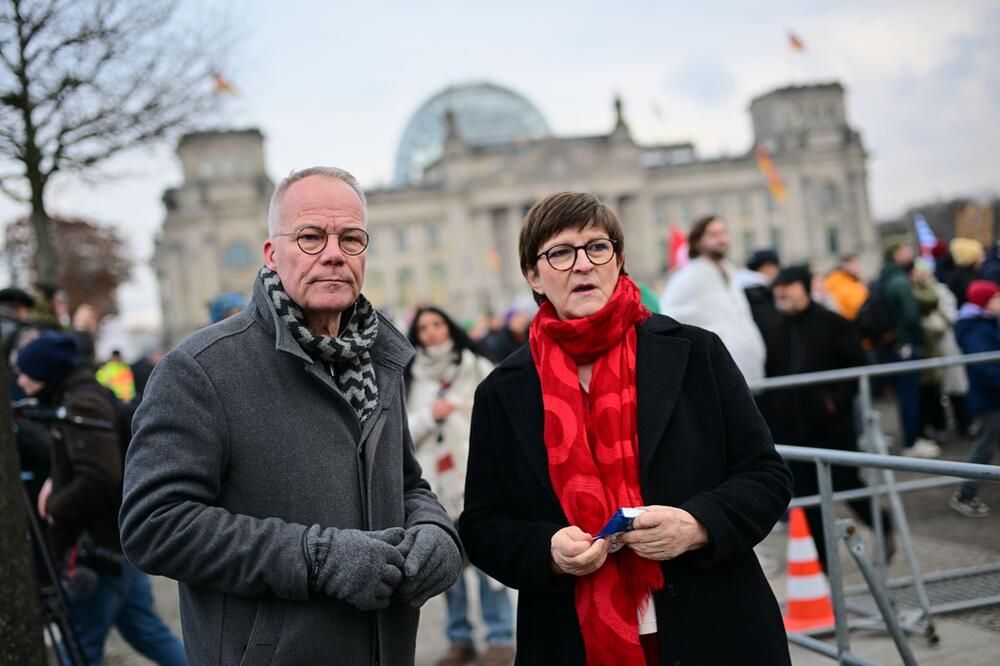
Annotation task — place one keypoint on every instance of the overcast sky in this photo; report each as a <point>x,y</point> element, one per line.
<point>334,83</point>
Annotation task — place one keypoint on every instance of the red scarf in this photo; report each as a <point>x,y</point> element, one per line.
<point>594,458</point>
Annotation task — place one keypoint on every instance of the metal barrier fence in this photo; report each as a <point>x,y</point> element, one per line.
<point>877,458</point>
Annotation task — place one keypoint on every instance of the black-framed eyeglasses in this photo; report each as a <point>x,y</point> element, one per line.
<point>313,240</point>
<point>562,257</point>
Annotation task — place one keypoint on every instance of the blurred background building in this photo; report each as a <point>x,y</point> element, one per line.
<point>474,158</point>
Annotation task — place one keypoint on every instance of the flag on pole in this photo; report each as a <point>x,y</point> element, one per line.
<point>795,43</point>
<point>222,85</point>
<point>678,248</point>
<point>766,166</point>
<point>925,236</point>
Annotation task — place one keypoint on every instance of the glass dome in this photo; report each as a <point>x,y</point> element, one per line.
<point>485,115</point>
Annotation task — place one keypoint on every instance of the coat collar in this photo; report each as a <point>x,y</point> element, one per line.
<point>661,360</point>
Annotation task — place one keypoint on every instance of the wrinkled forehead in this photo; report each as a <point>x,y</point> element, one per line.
<point>321,201</point>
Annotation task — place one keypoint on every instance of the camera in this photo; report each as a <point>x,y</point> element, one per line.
<point>85,561</point>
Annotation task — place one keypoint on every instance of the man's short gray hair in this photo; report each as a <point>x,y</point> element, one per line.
<point>273,214</point>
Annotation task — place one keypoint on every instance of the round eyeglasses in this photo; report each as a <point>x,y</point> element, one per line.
<point>313,240</point>
<point>563,257</point>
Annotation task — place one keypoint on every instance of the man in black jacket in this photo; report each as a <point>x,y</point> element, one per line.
<point>809,338</point>
<point>80,503</point>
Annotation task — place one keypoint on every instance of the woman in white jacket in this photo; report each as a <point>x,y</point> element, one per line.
<point>441,384</point>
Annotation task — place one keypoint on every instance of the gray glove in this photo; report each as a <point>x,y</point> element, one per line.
<point>433,563</point>
<point>361,568</point>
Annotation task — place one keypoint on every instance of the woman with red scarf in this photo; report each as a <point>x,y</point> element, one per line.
<point>609,406</point>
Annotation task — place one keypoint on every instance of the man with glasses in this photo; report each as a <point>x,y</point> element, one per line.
<point>272,472</point>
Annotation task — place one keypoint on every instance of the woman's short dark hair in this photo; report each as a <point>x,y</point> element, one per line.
<point>698,230</point>
<point>561,211</point>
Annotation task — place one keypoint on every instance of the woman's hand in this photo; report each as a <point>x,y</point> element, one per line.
<point>575,554</point>
<point>664,532</point>
<point>441,409</point>
<point>43,500</point>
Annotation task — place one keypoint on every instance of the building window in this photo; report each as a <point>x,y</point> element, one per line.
<point>375,288</point>
<point>744,202</point>
<point>405,287</point>
<point>776,240</point>
<point>829,196</point>
<point>402,240</point>
<point>749,241</point>
<point>237,255</point>
<point>833,241</point>
<point>437,275</point>
<point>206,169</point>
<point>433,237</point>
<point>661,210</point>
<point>687,210</point>
<point>772,205</point>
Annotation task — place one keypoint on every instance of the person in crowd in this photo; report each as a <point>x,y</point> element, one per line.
<point>143,368</point>
<point>272,472</point>
<point>756,280</point>
<point>442,381</point>
<point>944,265</point>
<point>504,340</point>
<point>811,338</point>
<point>933,420</point>
<point>990,269</point>
<point>80,501</point>
<point>907,342</point>
<point>15,306</point>
<point>225,305</point>
<point>610,407</point>
<point>705,293</point>
<point>978,330</point>
<point>117,376</point>
<point>968,256</point>
<point>845,287</point>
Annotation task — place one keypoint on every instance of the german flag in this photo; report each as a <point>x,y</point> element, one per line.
<point>770,172</point>
<point>795,43</point>
<point>222,85</point>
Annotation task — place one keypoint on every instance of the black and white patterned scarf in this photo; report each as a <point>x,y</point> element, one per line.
<point>347,354</point>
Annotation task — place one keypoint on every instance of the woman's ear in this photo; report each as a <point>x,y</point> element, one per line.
<point>531,275</point>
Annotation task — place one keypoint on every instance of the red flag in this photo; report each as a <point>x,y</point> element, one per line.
<point>795,43</point>
<point>222,85</point>
<point>678,248</point>
<point>770,172</point>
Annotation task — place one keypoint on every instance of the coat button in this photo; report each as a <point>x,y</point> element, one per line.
<point>671,590</point>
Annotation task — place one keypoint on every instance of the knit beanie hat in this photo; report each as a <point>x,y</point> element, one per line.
<point>965,251</point>
<point>979,292</point>
<point>223,303</point>
<point>49,358</point>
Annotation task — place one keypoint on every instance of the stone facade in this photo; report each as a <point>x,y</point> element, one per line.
<point>215,226</point>
<point>451,237</point>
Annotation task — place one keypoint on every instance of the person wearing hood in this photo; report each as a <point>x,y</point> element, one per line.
<point>968,255</point>
<point>978,330</point>
<point>908,338</point>
<point>79,502</point>
<point>808,337</point>
<point>441,383</point>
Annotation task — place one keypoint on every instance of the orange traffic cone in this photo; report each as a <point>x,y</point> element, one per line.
<point>808,605</point>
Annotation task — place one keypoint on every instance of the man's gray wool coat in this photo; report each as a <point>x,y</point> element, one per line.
<point>240,444</point>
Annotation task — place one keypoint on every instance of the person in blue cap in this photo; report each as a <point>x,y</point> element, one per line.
<point>79,502</point>
<point>225,305</point>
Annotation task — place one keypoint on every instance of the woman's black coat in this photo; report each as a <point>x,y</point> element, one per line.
<point>703,447</point>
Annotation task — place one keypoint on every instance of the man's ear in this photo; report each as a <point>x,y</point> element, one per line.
<point>269,249</point>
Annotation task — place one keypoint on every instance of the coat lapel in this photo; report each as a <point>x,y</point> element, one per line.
<point>661,361</point>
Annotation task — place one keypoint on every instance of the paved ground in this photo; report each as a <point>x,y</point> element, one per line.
<point>942,540</point>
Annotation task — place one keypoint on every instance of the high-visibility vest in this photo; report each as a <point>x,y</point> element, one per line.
<point>118,377</point>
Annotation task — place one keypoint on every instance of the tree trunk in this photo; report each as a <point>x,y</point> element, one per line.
<point>20,620</point>
<point>46,259</point>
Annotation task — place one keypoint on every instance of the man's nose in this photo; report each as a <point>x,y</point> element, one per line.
<point>332,253</point>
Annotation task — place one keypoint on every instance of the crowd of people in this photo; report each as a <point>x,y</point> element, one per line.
<point>311,476</point>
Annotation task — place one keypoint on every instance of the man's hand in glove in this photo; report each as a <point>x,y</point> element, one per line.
<point>361,568</point>
<point>433,563</point>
